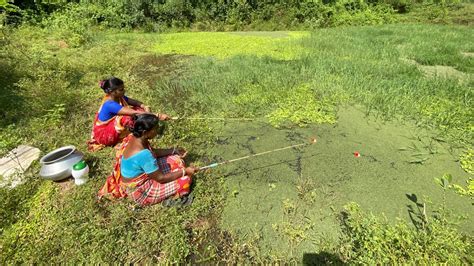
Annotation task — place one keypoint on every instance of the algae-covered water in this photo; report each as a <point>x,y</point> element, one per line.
<point>287,201</point>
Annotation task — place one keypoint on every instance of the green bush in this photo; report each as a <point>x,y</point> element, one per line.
<point>236,15</point>
<point>367,239</point>
<point>173,13</point>
<point>226,15</point>
<point>71,24</point>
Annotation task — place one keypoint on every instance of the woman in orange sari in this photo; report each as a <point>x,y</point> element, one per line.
<point>147,175</point>
<point>113,120</point>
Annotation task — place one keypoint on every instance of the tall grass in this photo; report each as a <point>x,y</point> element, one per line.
<point>358,65</point>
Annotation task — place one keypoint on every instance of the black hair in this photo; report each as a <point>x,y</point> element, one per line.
<point>111,84</point>
<point>146,122</point>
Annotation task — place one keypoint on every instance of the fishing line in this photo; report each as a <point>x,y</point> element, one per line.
<point>212,118</point>
<point>212,165</point>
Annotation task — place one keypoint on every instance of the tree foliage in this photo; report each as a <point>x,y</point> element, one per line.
<point>158,15</point>
<point>184,13</point>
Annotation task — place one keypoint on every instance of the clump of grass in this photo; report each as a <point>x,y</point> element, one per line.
<point>306,189</point>
<point>294,227</point>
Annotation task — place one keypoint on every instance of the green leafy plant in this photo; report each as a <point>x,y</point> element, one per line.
<point>434,239</point>
<point>294,227</point>
<point>9,138</point>
<point>467,161</point>
<point>55,116</point>
<point>467,191</point>
<point>368,239</point>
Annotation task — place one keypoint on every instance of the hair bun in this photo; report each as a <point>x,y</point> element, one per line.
<point>134,117</point>
<point>137,131</point>
<point>101,84</point>
<point>145,122</point>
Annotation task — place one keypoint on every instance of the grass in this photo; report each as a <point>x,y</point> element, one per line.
<point>287,80</point>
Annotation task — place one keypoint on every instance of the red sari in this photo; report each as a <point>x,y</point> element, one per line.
<point>143,189</point>
<point>112,131</point>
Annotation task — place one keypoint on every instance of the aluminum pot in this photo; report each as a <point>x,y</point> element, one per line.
<point>57,165</point>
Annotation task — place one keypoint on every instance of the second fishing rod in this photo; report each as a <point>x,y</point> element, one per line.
<point>212,165</point>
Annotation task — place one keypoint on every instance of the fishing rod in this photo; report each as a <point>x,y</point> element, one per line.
<point>212,165</point>
<point>212,118</point>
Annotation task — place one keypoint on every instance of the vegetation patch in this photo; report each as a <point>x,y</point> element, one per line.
<point>222,45</point>
<point>302,107</point>
<point>467,54</point>
<point>467,161</point>
<point>438,71</point>
<point>399,242</point>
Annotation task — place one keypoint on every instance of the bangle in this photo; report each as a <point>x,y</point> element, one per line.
<point>184,172</point>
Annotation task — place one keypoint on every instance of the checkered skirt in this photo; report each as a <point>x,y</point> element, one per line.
<point>150,191</point>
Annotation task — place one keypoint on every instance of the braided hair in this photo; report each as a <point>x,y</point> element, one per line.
<point>146,122</point>
<point>111,84</point>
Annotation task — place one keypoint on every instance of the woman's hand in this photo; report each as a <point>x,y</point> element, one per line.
<point>143,106</point>
<point>191,170</point>
<point>181,152</point>
<point>163,116</point>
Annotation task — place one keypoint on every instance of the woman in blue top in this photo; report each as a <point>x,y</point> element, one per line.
<point>145,174</point>
<point>113,119</point>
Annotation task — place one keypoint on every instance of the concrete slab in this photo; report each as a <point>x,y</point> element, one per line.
<point>15,163</point>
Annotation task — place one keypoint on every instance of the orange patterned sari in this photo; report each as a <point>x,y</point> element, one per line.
<point>143,189</point>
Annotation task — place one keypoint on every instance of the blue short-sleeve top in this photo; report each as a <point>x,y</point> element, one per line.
<point>137,164</point>
<point>110,109</point>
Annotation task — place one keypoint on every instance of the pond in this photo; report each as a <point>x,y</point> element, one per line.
<point>290,199</point>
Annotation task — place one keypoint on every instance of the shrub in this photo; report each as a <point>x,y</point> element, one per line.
<point>367,239</point>
<point>71,24</point>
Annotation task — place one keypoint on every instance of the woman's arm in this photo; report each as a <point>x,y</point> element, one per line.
<point>134,102</point>
<point>137,103</point>
<point>129,111</point>
<point>147,109</point>
<point>165,152</point>
<point>165,178</point>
